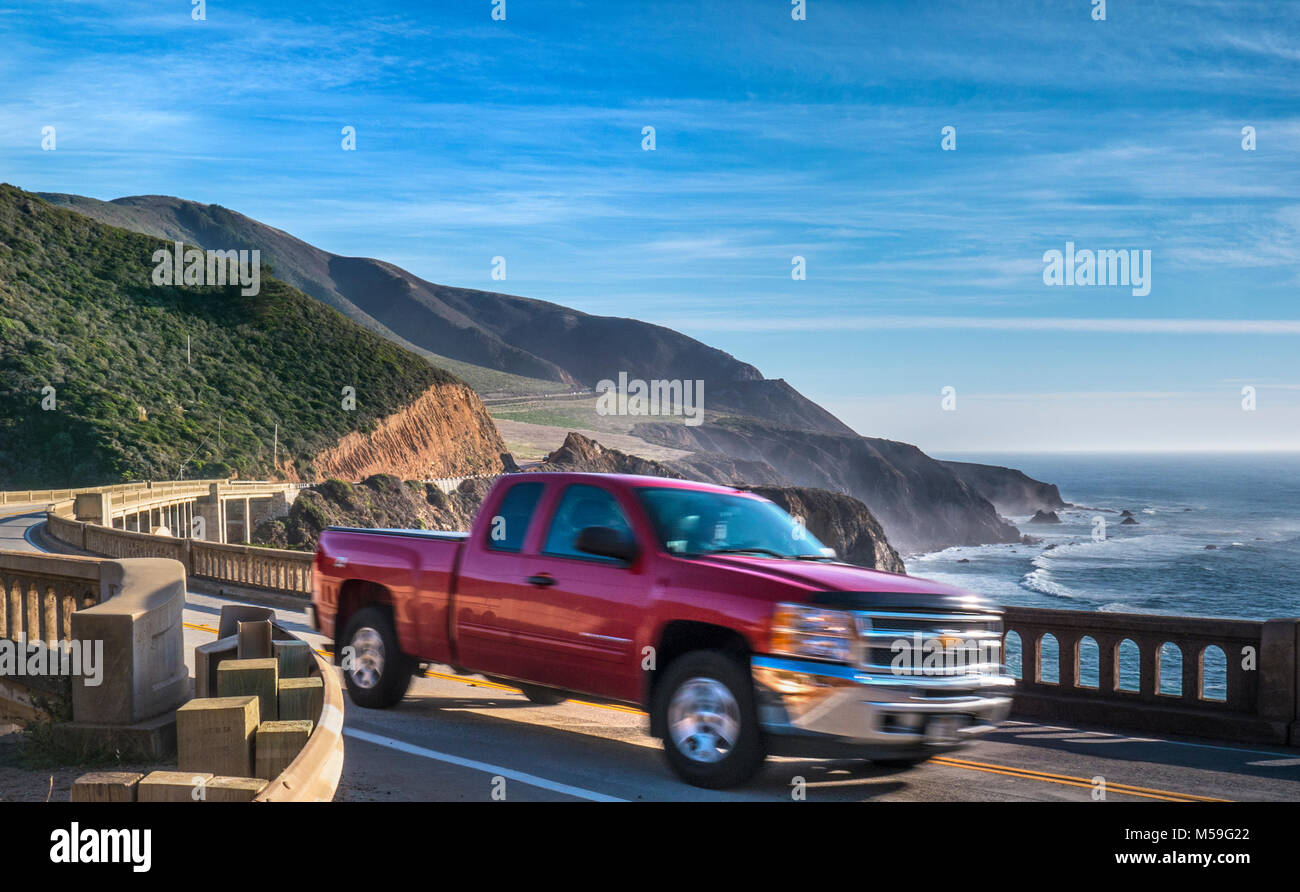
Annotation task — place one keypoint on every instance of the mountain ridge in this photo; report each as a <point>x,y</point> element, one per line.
<point>504,332</point>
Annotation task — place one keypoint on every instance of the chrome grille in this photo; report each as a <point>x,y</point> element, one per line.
<point>928,644</point>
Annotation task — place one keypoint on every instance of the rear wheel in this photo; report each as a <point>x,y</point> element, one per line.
<point>376,671</point>
<point>705,704</point>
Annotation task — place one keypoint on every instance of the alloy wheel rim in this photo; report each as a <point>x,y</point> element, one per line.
<point>367,657</point>
<point>704,720</point>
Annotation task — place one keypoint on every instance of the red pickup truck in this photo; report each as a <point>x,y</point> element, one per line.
<point>711,608</point>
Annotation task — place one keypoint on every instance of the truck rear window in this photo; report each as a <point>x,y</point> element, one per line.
<point>510,523</point>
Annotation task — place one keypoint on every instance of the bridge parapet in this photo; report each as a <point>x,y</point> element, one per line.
<point>274,569</point>
<point>1261,674</point>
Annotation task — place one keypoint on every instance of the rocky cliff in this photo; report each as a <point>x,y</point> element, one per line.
<point>381,500</point>
<point>445,432</point>
<point>923,505</point>
<point>1010,491</point>
<point>840,521</point>
<point>579,453</point>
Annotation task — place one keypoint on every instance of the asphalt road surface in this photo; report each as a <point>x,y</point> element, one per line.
<point>466,739</point>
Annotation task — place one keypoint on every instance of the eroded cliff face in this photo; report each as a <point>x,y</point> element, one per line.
<point>446,432</point>
<point>840,521</point>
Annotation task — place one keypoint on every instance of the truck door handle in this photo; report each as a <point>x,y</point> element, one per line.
<point>541,579</point>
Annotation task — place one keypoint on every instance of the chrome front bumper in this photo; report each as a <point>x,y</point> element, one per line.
<point>819,709</point>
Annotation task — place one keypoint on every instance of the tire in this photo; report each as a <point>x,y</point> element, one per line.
<point>542,696</point>
<point>379,673</point>
<point>717,742</point>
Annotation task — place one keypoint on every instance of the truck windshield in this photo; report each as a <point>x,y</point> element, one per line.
<point>696,522</point>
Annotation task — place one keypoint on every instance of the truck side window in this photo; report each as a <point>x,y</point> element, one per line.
<point>507,528</point>
<point>580,507</point>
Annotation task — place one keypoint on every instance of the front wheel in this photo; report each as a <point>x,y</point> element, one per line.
<point>705,704</point>
<point>376,671</point>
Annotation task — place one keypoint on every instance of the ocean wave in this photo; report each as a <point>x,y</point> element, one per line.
<point>1040,580</point>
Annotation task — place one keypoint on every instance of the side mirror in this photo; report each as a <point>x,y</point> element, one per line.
<point>606,542</point>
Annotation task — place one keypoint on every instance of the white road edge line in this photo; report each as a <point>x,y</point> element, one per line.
<point>531,779</point>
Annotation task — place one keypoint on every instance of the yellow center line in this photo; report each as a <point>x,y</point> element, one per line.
<point>967,764</point>
<point>1072,781</point>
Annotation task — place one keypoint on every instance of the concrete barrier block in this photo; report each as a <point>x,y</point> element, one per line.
<point>255,640</point>
<point>301,698</point>
<point>92,507</point>
<point>216,735</point>
<point>295,659</point>
<point>139,626</point>
<point>207,657</point>
<point>106,786</point>
<point>234,789</point>
<point>173,786</point>
<point>260,678</point>
<point>277,745</point>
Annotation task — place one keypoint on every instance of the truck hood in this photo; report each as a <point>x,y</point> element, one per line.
<point>828,577</point>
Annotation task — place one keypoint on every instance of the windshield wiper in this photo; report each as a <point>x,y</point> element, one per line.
<point>751,550</point>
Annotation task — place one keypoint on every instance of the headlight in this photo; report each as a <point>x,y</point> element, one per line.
<point>799,630</point>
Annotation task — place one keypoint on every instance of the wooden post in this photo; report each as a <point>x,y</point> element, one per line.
<point>236,678</point>
<point>173,786</point>
<point>216,735</point>
<point>106,786</point>
<point>295,658</point>
<point>278,744</point>
<point>301,698</point>
<point>234,789</point>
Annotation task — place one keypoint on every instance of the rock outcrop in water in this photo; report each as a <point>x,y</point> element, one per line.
<point>1044,517</point>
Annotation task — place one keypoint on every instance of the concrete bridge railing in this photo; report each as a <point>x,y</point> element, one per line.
<point>450,484</point>
<point>1258,660</point>
<point>100,520</point>
<point>274,569</point>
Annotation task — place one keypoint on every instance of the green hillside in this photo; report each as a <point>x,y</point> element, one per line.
<point>80,313</point>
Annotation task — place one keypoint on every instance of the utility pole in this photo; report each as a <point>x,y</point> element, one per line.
<point>187,349</point>
<point>275,456</point>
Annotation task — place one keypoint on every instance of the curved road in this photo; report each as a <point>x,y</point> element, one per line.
<point>456,738</point>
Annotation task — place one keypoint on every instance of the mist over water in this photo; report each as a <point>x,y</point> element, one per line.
<point>1246,506</point>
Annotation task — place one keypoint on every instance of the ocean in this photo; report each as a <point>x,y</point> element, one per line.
<point>1216,535</point>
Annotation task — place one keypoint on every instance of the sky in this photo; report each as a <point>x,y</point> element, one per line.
<point>774,138</point>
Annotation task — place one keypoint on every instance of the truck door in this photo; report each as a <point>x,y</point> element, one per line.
<point>578,626</point>
<point>493,575</point>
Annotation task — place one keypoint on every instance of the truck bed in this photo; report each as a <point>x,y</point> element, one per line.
<point>417,568</point>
